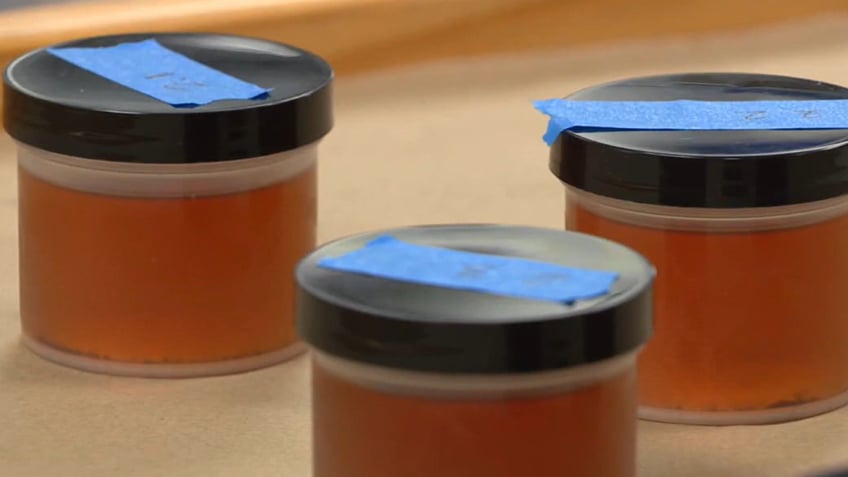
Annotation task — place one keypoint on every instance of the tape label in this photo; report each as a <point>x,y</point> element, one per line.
<point>390,258</point>
<point>687,115</point>
<point>153,70</point>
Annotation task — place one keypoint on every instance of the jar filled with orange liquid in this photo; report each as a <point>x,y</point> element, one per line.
<point>413,378</point>
<point>749,234</point>
<point>159,234</point>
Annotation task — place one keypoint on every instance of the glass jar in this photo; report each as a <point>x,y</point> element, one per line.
<point>156,240</point>
<point>747,230</point>
<point>417,380</point>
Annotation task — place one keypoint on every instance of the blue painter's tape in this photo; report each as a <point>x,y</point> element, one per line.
<point>388,257</point>
<point>686,115</point>
<point>151,69</point>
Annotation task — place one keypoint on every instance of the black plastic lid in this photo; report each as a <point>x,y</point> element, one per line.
<point>425,328</point>
<point>833,473</point>
<point>53,105</point>
<point>717,169</point>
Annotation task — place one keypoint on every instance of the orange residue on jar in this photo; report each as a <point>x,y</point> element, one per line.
<point>174,280</point>
<point>744,321</point>
<point>362,432</point>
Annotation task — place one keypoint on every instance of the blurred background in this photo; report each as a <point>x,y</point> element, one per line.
<point>364,35</point>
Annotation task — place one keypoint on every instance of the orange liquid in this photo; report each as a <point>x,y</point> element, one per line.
<point>743,321</point>
<point>360,432</point>
<point>145,280</point>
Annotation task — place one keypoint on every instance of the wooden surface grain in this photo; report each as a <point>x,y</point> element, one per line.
<point>363,35</point>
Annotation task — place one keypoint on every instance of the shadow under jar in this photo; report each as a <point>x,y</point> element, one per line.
<point>417,381</point>
<point>161,241</point>
<point>748,231</point>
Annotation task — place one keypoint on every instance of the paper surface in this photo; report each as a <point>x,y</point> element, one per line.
<point>151,69</point>
<point>685,115</point>
<point>388,257</point>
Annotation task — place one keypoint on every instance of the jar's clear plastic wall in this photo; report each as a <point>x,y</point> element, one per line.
<point>163,269</point>
<point>750,315</point>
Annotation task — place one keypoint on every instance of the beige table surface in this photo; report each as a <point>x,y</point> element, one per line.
<point>439,143</point>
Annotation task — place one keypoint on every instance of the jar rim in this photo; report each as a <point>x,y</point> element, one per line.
<point>60,107</point>
<point>712,169</point>
<point>412,326</point>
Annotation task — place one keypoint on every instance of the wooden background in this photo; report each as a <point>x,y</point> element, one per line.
<point>364,35</point>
